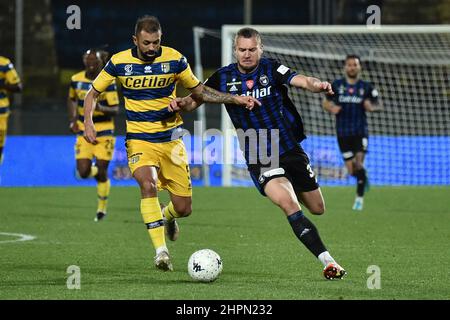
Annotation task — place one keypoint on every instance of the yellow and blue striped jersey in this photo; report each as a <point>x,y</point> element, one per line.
<point>7,75</point>
<point>79,86</point>
<point>148,88</point>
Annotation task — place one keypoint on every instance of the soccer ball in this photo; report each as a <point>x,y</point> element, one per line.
<point>205,265</point>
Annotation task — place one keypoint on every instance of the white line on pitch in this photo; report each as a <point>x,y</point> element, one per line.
<point>22,237</point>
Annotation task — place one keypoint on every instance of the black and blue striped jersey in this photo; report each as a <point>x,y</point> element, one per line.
<point>269,84</point>
<point>352,120</point>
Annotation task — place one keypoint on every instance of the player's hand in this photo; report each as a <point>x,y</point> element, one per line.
<point>324,87</point>
<point>247,101</point>
<point>335,109</point>
<point>74,127</point>
<point>370,107</point>
<point>176,105</point>
<point>89,132</point>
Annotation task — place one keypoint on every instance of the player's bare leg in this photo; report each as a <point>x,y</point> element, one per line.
<point>2,143</point>
<point>103,188</point>
<point>178,207</point>
<point>147,178</point>
<point>85,169</point>
<point>349,165</point>
<point>313,200</point>
<point>281,192</point>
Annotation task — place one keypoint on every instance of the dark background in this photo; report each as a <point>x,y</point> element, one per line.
<point>52,53</point>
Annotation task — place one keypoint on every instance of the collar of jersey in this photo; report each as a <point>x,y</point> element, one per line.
<point>247,74</point>
<point>135,54</point>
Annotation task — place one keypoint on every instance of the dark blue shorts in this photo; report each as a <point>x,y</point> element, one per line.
<point>294,165</point>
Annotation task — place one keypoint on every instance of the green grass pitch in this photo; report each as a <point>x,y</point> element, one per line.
<point>405,231</point>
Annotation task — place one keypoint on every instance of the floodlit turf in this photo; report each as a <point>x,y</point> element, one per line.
<point>405,231</point>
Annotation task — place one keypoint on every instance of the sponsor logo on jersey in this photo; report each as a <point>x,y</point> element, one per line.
<point>259,93</point>
<point>250,84</point>
<point>351,90</point>
<point>233,88</point>
<point>134,157</point>
<point>165,67</point>
<point>148,82</point>
<point>264,80</point>
<point>148,69</point>
<point>128,69</point>
<point>350,99</point>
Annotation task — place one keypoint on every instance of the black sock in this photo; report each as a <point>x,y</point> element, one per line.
<point>361,181</point>
<point>307,233</point>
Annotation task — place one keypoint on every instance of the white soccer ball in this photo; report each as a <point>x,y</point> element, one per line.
<point>205,265</point>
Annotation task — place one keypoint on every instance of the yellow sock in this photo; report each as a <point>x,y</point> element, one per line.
<point>103,194</point>
<point>169,212</point>
<point>94,171</point>
<point>153,219</point>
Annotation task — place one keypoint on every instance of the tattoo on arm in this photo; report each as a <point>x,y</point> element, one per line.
<point>210,95</point>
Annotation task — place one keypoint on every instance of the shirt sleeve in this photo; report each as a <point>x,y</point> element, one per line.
<point>371,93</point>
<point>185,75</point>
<point>213,81</point>
<point>334,97</point>
<point>281,73</point>
<point>111,95</point>
<point>72,92</point>
<point>11,76</point>
<point>105,77</point>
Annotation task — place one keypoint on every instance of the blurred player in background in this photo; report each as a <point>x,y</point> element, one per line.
<point>157,157</point>
<point>352,99</point>
<point>292,180</point>
<point>106,108</point>
<point>9,82</point>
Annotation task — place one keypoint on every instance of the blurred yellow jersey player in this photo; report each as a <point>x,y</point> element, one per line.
<point>9,82</point>
<point>107,107</point>
<point>157,157</point>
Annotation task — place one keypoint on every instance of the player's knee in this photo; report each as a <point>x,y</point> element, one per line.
<point>148,187</point>
<point>183,209</point>
<point>288,205</point>
<point>318,208</point>
<point>83,172</point>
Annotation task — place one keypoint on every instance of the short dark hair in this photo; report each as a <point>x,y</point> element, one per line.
<point>147,23</point>
<point>248,33</point>
<point>352,56</point>
<point>101,54</point>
